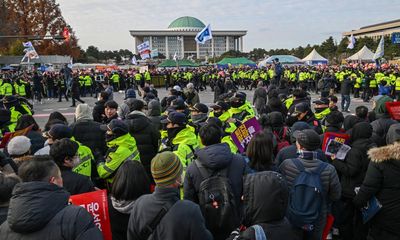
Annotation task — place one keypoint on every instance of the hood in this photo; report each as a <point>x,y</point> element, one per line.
<point>83,112</point>
<point>385,153</point>
<point>216,156</point>
<point>34,204</point>
<point>349,122</point>
<point>137,121</point>
<point>362,130</point>
<point>393,134</point>
<point>154,108</point>
<point>122,206</point>
<point>265,197</point>
<point>380,108</point>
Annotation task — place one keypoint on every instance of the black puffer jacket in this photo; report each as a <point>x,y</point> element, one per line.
<point>88,133</point>
<point>352,170</point>
<point>154,113</point>
<point>37,140</point>
<point>146,136</point>
<point>383,121</point>
<point>216,157</point>
<point>98,111</point>
<point>383,181</point>
<point>40,210</point>
<point>183,220</point>
<point>260,99</point>
<point>265,200</point>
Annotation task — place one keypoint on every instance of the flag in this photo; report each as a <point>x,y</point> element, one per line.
<point>30,51</point>
<point>381,49</point>
<point>204,35</point>
<point>175,57</point>
<point>66,34</point>
<point>352,42</point>
<point>133,61</point>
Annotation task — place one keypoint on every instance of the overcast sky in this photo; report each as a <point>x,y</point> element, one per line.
<point>270,23</point>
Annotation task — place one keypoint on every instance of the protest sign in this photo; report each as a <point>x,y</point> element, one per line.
<point>336,144</point>
<point>393,109</point>
<point>97,205</point>
<point>243,134</point>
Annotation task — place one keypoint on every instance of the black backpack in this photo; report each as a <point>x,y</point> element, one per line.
<point>216,200</point>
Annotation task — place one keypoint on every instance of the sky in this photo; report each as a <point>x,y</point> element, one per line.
<point>269,23</point>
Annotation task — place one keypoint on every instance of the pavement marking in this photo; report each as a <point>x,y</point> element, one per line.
<point>63,109</point>
<point>47,109</point>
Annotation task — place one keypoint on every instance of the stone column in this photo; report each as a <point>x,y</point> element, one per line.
<point>134,46</point>
<point>166,48</point>
<point>151,42</point>
<point>227,44</point>
<point>212,47</point>
<point>197,51</point>
<point>241,44</point>
<point>183,47</point>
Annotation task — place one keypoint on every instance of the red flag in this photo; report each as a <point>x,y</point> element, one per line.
<point>66,34</point>
<point>96,204</point>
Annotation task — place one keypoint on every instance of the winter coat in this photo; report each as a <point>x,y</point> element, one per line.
<point>98,111</point>
<point>3,213</point>
<point>382,180</point>
<point>329,179</point>
<point>40,210</point>
<point>124,108</point>
<point>260,99</point>
<point>183,220</point>
<point>381,126</point>
<point>192,97</point>
<point>75,183</point>
<point>88,133</point>
<point>37,140</point>
<point>291,152</point>
<point>119,212</point>
<point>353,168</point>
<point>146,136</point>
<point>265,200</point>
<point>216,157</point>
<point>75,88</point>
<point>345,87</point>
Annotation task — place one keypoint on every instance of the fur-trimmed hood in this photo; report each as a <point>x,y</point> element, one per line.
<point>385,153</point>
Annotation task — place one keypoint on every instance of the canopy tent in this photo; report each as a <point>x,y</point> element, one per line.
<point>235,62</point>
<point>284,59</point>
<point>180,63</point>
<point>364,55</point>
<point>314,58</point>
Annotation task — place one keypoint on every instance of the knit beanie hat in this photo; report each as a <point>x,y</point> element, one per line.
<point>165,168</point>
<point>19,145</point>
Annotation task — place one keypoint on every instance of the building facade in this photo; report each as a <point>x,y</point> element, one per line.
<point>376,31</point>
<point>179,39</point>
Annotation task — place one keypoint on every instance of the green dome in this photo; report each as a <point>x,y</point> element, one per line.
<point>186,23</point>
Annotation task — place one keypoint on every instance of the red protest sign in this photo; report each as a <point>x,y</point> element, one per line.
<point>96,204</point>
<point>331,137</point>
<point>393,109</point>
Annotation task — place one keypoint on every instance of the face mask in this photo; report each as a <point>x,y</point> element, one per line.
<point>318,110</point>
<point>236,104</point>
<point>199,117</point>
<point>76,161</point>
<point>172,132</point>
<point>218,114</point>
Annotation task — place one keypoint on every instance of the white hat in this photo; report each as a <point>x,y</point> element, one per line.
<point>177,88</point>
<point>19,145</point>
<point>190,86</point>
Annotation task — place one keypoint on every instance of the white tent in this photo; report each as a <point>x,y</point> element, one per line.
<point>363,55</point>
<point>315,58</point>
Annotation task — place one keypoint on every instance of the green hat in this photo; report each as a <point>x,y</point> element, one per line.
<point>165,168</point>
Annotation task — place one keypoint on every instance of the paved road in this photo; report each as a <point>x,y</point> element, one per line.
<point>42,111</point>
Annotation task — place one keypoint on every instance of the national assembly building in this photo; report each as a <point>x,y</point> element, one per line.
<point>179,39</point>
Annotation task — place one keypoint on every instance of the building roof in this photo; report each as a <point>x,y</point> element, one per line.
<point>53,59</point>
<point>375,28</point>
<point>186,23</point>
<point>379,24</point>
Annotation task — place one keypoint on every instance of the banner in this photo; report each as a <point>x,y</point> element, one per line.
<point>334,142</point>
<point>393,109</point>
<point>396,38</point>
<point>154,53</point>
<point>244,133</point>
<point>96,204</point>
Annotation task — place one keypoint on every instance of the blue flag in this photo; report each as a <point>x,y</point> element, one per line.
<point>204,35</point>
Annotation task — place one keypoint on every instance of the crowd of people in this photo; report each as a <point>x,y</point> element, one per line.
<point>173,171</point>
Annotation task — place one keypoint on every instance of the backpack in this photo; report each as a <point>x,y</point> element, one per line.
<point>216,200</point>
<point>281,142</point>
<point>305,197</point>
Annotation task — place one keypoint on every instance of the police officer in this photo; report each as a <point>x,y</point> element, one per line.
<point>180,138</point>
<point>122,147</point>
<point>61,87</point>
<point>241,110</point>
